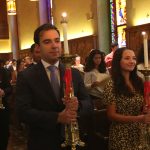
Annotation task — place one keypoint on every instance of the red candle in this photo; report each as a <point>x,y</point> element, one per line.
<point>68,82</point>
<point>147,94</point>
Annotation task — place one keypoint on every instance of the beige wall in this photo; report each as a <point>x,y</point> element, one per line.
<point>81,17</point>
<point>5,46</point>
<point>137,11</point>
<point>28,20</point>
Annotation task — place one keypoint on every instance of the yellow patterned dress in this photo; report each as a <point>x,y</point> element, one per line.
<point>124,136</point>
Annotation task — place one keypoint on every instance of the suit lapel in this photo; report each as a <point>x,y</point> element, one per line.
<point>44,82</point>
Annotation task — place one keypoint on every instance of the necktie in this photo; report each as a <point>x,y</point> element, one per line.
<point>54,81</point>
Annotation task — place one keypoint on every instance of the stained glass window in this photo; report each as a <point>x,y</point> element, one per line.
<point>121,36</point>
<point>112,20</point>
<point>121,12</point>
<point>118,21</point>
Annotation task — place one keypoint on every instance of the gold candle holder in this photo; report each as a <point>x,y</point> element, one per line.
<point>146,73</point>
<point>145,128</point>
<point>67,59</point>
<point>72,137</point>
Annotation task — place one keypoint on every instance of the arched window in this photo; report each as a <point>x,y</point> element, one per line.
<point>118,21</point>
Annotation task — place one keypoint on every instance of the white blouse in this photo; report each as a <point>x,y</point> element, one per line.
<point>93,76</point>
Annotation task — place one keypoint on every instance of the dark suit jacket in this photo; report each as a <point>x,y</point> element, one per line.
<point>5,85</point>
<point>37,105</point>
<point>4,113</point>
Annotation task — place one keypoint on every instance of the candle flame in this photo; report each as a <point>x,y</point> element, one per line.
<point>64,14</point>
<point>143,33</point>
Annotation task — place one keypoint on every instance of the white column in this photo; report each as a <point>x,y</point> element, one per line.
<point>13,33</point>
<point>103,25</point>
<point>13,28</point>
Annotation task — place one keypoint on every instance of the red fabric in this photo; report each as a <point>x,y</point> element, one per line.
<point>108,59</point>
<point>68,82</point>
<point>147,93</point>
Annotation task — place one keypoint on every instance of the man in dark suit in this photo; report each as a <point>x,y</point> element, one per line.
<point>37,103</point>
<point>5,91</point>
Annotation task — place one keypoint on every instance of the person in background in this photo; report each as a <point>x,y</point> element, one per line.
<point>11,70</point>
<point>78,64</point>
<point>14,72</point>
<point>5,91</point>
<point>123,96</point>
<point>35,53</point>
<point>20,66</point>
<point>38,104</point>
<point>28,61</point>
<point>109,57</point>
<point>14,64</point>
<point>96,75</point>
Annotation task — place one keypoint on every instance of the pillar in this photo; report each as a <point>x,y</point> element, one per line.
<point>13,28</point>
<point>103,25</point>
<point>44,11</point>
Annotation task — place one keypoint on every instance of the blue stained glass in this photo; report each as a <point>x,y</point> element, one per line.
<point>112,20</point>
<point>118,14</point>
<point>121,11</point>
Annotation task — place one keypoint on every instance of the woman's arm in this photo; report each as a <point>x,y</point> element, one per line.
<point>87,80</point>
<point>113,115</point>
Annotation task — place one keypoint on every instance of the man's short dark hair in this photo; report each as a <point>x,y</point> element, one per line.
<point>32,48</point>
<point>40,29</point>
<point>114,44</point>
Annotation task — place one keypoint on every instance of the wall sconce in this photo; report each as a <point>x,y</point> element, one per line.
<point>147,15</point>
<point>64,17</point>
<point>90,16</point>
<point>11,7</point>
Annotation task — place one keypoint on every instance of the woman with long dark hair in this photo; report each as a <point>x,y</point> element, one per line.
<point>123,96</point>
<point>95,72</point>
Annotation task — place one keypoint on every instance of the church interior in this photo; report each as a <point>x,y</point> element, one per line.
<point>90,24</point>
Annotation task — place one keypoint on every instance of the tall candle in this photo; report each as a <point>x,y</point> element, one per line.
<point>64,26</point>
<point>145,42</point>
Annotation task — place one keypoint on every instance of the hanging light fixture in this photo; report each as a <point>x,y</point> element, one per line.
<point>34,0</point>
<point>11,7</point>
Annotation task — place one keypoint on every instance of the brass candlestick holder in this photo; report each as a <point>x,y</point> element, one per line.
<point>145,128</point>
<point>67,59</point>
<point>72,137</point>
